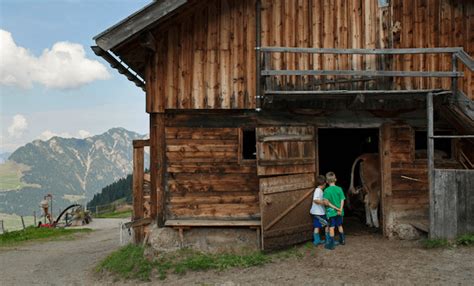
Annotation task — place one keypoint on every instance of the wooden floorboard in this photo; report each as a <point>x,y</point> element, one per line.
<point>204,223</point>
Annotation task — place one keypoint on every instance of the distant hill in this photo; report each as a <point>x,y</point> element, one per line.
<point>4,157</point>
<point>119,190</point>
<point>70,169</point>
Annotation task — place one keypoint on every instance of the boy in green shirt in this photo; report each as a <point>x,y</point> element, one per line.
<point>335,196</point>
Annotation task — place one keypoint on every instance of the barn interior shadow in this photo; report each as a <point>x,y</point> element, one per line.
<point>338,148</point>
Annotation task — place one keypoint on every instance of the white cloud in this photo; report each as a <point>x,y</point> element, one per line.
<point>18,126</point>
<point>48,134</point>
<point>63,66</point>
<point>84,134</point>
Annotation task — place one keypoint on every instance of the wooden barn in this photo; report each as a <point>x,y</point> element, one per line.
<point>249,100</point>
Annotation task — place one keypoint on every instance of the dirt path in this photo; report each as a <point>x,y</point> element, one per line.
<point>60,262</point>
<point>367,259</point>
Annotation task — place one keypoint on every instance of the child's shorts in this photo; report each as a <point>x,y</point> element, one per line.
<point>319,221</point>
<point>335,221</point>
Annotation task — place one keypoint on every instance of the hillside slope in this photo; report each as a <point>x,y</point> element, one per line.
<point>71,169</point>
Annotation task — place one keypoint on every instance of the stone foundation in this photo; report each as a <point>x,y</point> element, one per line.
<point>204,239</point>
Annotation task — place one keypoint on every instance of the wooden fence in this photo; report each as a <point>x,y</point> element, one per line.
<point>453,205</point>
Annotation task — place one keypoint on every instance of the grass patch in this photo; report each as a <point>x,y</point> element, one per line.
<point>33,233</point>
<point>434,243</point>
<point>130,263</point>
<point>115,214</point>
<point>11,174</point>
<point>463,240</point>
<point>196,261</point>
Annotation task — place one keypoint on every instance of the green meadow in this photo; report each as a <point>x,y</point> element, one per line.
<point>10,176</point>
<point>13,222</point>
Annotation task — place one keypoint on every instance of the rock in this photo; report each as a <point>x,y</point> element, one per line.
<point>164,239</point>
<point>404,232</point>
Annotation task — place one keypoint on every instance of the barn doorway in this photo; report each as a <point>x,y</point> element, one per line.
<point>337,150</point>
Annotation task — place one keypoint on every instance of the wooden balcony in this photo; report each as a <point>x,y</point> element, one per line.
<point>285,73</point>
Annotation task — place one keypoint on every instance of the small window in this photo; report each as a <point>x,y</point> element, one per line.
<point>248,144</point>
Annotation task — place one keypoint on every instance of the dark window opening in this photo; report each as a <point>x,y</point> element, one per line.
<point>249,147</point>
<point>442,146</point>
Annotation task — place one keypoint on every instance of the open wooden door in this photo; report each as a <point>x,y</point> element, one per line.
<point>286,166</point>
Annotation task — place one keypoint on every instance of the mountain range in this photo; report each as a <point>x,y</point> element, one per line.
<point>70,169</point>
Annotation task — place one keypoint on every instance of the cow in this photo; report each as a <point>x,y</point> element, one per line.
<point>371,186</point>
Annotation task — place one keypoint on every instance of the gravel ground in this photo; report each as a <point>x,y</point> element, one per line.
<point>60,262</point>
<point>367,259</point>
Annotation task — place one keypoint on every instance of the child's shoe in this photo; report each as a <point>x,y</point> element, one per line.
<point>329,243</point>
<point>317,239</point>
<point>342,239</point>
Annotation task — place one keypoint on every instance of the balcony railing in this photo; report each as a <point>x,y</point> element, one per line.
<point>285,71</point>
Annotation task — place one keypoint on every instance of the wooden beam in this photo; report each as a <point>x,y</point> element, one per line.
<point>361,73</point>
<point>290,208</point>
<point>157,166</point>
<point>114,63</point>
<point>258,61</point>
<point>139,222</point>
<point>138,169</point>
<point>211,223</point>
<point>429,110</point>
<point>141,143</point>
<point>136,23</point>
<point>336,92</point>
<point>285,138</point>
<point>148,41</point>
<point>466,59</point>
<point>386,176</point>
<point>362,51</point>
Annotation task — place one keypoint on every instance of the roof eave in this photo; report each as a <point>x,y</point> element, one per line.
<point>136,23</point>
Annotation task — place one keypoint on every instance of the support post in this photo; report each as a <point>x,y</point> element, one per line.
<point>258,33</point>
<point>386,176</point>
<point>454,80</point>
<point>430,144</point>
<point>157,167</point>
<point>267,65</point>
<point>1,226</point>
<point>138,169</point>
<point>34,218</point>
<point>23,222</point>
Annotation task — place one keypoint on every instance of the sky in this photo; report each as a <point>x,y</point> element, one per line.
<point>51,83</point>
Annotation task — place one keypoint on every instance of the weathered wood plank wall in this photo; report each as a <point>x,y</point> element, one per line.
<point>408,197</point>
<point>205,57</point>
<point>409,190</point>
<point>454,203</point>
<point>205,177</point>
<point>433,23</point>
